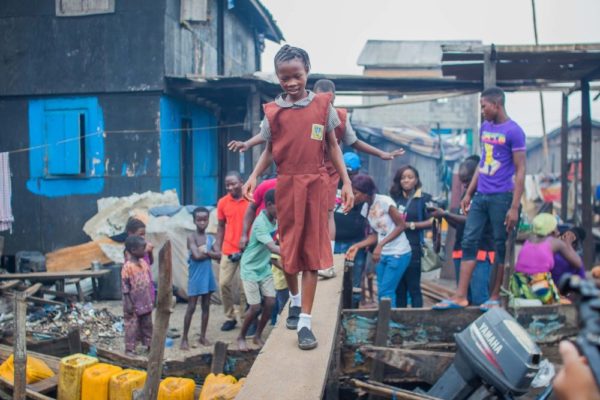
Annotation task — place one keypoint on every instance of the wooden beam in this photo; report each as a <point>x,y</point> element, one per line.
<point>387,392</point>
<point>219,357</point>
<point>161,324</point>
<point>20,347</point>
<point>586,179</point>
<point>381,337</point>
<point>564,158</point>
<point>546,324</point>
<point>30,291</point>
<point>422,365</point>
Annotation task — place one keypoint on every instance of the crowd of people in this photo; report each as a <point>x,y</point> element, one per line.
<point>320,203</point>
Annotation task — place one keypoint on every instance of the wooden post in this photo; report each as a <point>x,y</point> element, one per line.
<point>508,268</point>
<point>20,347</point>
<point>489,67</point>
<point>219,358</point>
<point>586,179</point>
<point>74,339</point>
<point>161,325</point>
<point>381,339</point>
<point>348,284</point>
<point>564,158</point>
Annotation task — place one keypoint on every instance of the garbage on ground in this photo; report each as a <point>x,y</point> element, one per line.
<point>95,325</point>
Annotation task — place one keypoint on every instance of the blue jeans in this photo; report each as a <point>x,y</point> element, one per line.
<point>479,287</point>
<point>410,284</point>
<point>358,271</point>
<point>484,208</point>
<point>281,297</point>
<point>389,273</point>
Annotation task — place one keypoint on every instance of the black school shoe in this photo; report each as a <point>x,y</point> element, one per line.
<point>228,325</point>
<point>293,317</point>
<point>306,339</point>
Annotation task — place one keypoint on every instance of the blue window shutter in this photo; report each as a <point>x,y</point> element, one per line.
<point>63,155</point>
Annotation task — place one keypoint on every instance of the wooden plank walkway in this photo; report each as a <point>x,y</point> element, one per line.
<point>282,370</point>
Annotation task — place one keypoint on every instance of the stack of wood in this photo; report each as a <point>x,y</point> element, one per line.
<point>435,291</point>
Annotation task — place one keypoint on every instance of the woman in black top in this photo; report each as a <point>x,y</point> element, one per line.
<point>412,203</point>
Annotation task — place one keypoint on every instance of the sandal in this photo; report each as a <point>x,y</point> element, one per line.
<point>448,304</point>
<point>488,305</point>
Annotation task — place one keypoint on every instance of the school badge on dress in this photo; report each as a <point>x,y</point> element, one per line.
<point>317,132</point>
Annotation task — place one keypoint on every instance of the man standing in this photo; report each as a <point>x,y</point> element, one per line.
<point>230,214</point>
<point>494,194</point>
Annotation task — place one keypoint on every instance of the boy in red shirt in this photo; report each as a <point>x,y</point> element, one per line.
<point>230,214</point>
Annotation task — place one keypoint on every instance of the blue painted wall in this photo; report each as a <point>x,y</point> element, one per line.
<point>205,149</point>
<point>55,156</point>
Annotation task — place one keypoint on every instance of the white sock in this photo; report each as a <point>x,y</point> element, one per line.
<point>304,321</point>
<point>295,300</point>
<point>333,246</point>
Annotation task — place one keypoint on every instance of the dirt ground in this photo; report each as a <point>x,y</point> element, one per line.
<point>213,333</point>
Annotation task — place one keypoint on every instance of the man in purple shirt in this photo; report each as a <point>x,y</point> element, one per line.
<point>493,195</point>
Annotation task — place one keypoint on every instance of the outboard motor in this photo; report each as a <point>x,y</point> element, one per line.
<point>494,350</point>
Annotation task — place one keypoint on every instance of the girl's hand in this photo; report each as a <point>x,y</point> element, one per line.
<point>149,247</point>
<point>351,253</point>
<point>377,254</point>
<point>347,197</point>
<point>248,188</point>
<point>236,145</point>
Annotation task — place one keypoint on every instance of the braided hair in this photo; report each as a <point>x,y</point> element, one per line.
<point>288,53</point>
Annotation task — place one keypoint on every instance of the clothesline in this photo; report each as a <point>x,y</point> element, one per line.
<point>123,131</point>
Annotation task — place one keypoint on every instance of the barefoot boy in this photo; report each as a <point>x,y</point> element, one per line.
<point>257,278</point>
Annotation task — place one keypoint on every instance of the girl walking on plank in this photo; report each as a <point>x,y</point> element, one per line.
<point>299,128</point>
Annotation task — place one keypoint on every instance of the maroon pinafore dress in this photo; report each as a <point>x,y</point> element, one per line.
<point>298,143</point>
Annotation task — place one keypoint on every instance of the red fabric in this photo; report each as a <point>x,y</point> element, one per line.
<point>232,212</point>
<point>260,191</point>
<point>302,183</point>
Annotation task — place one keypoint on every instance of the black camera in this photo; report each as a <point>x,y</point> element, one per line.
<point>235,257</point>
<point>588,307</point>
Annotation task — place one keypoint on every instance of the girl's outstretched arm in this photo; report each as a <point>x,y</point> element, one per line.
<point>264,162</point>
<point>236,145</point>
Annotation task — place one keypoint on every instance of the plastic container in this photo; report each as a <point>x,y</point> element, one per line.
<point>94,383</point>
<point>222,387</point>
<point>35,370</point>
<point>109,285</point>
<point>70,373</point>
<point>176,389</point>
<point>122,385</point>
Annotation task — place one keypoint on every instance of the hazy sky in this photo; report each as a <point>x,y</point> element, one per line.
<point>334,32</point>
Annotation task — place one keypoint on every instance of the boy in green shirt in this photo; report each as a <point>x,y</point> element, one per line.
<point>257,278</point>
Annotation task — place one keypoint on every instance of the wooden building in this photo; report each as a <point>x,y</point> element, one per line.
<point>89,109</point>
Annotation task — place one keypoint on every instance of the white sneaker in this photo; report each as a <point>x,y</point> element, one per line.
<point>327,273</point>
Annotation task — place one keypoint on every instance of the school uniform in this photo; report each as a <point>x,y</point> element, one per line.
<point>297,132</point>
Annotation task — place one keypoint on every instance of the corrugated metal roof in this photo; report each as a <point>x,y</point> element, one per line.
<point>575,123</point>
<point>405,53</point>
<point>558,63</point>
